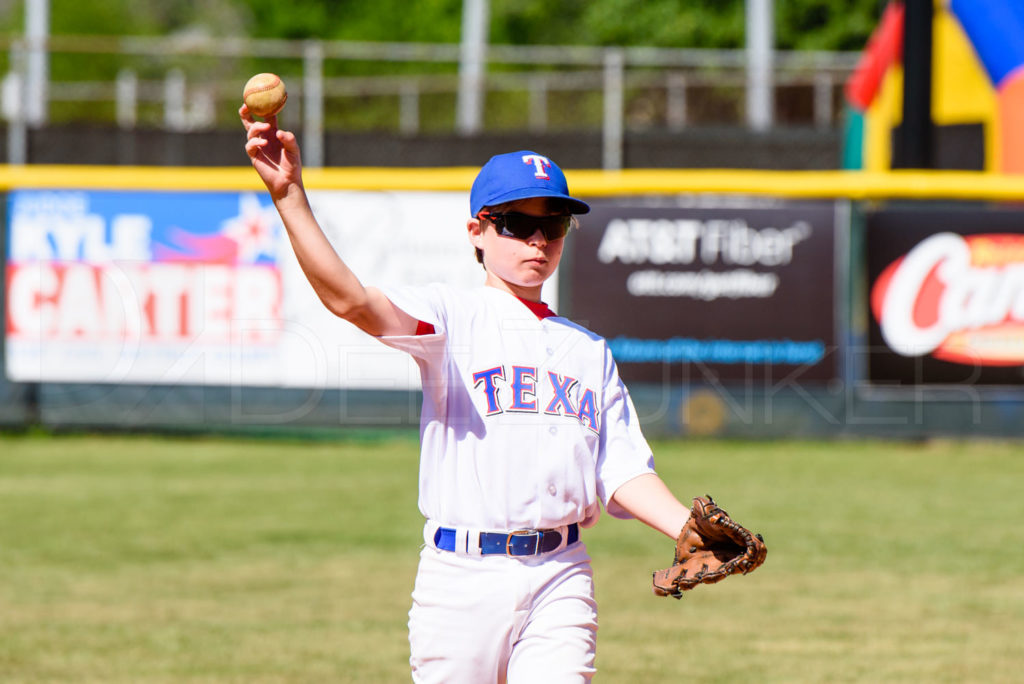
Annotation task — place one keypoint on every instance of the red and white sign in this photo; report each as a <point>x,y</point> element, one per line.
<point>957,298</point>
<point>161,302</point>
<point>203,288</point>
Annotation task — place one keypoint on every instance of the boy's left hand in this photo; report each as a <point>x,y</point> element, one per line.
<point>710,547</point>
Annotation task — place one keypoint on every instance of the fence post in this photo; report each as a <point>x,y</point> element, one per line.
<point>760,69</point>
<point>409,108</point>
<point>174,101</point>
<point>14,107</point>
<point>37,30</point>
<point>823,86</point>
<point>538,106</point>
<point>313,104</point>
<point>675,102</point>
<point>472,58</point>
<point>127,89</point>
<point>611,150</point>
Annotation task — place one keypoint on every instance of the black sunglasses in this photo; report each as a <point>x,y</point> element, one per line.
<point>523,226</point>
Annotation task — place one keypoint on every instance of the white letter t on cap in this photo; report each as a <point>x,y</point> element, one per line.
<point>540,164</point>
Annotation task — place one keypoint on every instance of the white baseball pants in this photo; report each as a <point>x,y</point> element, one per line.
<point>521,620</point>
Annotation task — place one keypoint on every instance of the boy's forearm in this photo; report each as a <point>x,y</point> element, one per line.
<point>332,280</point>
<point>649,500</point>
<point>275,156</point>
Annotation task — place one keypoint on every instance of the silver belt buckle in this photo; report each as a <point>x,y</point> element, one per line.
<point>523,533</point>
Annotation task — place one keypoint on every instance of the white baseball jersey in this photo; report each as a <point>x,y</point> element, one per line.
<point>525,422</point>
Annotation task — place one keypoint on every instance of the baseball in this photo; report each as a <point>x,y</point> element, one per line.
<point>264,94</point>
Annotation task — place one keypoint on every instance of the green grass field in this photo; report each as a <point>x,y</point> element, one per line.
<point>139,559</point>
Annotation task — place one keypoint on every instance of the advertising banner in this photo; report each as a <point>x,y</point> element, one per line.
<point>946,293</point>
<point>697,290</point>
<point>203,288</point>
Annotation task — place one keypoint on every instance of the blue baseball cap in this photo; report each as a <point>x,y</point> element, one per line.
<point>520,175</point>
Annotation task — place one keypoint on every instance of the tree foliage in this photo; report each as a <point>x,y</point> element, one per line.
<point>826,24</point>
<point>800,24</point>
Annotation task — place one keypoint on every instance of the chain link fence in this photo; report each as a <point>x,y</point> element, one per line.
<point>186,84</point>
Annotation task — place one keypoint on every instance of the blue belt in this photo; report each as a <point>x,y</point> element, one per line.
<point>518,543</point>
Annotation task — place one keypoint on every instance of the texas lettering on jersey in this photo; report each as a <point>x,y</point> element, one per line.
<point>551,393</point>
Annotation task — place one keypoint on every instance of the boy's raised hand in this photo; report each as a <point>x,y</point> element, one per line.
<point>274,154</point>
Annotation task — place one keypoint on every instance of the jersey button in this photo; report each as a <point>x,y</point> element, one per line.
<point>553,430</point>
<point>551,490</point>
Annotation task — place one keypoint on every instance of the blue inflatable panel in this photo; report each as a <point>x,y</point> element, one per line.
<point>996,29</point>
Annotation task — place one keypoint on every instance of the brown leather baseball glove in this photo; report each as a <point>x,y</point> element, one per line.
<point>710,547</point>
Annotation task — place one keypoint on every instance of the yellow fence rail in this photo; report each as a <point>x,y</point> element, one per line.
<point>857,185</point>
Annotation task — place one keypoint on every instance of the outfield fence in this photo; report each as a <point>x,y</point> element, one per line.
<point>193,84</point>
<point>737,303</point>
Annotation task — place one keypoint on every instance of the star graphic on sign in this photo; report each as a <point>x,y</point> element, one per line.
<point>254,230</point>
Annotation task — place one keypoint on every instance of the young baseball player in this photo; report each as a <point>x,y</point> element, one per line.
<point>526,428</point>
